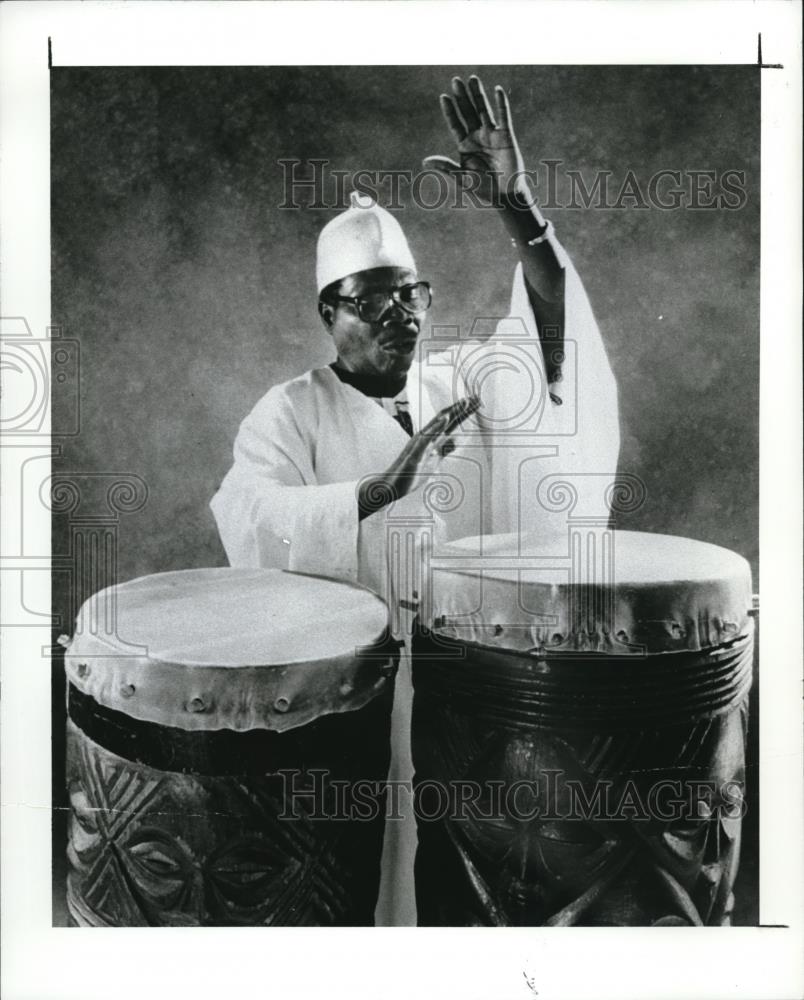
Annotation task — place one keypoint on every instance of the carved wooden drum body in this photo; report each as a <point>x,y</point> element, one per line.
<point>213,714</point>
<point>579,731</point>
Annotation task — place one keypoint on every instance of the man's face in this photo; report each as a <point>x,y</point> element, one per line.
<point>385,346</point>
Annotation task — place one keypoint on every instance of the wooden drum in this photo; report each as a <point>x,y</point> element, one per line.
<point>216,733</point>
<point>579,723</point>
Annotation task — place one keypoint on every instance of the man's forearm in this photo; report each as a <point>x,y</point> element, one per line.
<point>528,228</point>
<point>374,493</point>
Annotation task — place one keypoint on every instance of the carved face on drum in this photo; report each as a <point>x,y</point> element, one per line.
<point>562,868</point>
<point>137,860</point>
<point>570,829</point>
<point>213,824</point>
<point>530,856</point>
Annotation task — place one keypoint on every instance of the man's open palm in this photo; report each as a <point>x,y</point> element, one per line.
<point>491,164</point>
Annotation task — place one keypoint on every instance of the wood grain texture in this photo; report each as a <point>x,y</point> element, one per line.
<point>158,848</point>
<point>591,837</point>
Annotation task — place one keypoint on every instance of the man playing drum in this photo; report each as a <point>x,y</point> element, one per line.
<point>329,467</point>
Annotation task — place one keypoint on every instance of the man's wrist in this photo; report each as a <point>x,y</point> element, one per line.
<point>520,213</point>
<point>526,226</point>
<point>545,233</point>
<point>517,197</point>
<point>374,493</point>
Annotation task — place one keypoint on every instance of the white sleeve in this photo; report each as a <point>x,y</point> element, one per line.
<point>271,511</point>
<point>531,434</point>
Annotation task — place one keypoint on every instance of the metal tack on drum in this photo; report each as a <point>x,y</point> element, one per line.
<point>622,707</point>
<point>214,779</point>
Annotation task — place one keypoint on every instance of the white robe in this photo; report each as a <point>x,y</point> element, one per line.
<point>289,500</point>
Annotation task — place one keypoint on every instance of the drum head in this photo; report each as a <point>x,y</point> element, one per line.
<point>593,590</point>
<point>231,648</point>
<point>238,617</point>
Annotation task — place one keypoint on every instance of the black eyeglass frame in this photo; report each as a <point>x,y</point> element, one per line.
<point>391,295</point>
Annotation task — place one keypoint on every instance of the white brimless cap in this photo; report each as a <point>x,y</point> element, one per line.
<point>362,237</point>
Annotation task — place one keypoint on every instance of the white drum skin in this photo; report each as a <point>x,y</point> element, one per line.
<point>203,749</point>
<point>589,731</point>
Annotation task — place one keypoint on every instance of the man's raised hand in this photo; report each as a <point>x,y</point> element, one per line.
<point>491,164</point>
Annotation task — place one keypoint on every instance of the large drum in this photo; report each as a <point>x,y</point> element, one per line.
<point>228,745</point>
<point>579,723</point>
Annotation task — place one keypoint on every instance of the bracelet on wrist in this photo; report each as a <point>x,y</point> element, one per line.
<point>541,237</point>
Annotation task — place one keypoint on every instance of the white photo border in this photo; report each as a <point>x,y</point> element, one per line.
<point>45,962</point>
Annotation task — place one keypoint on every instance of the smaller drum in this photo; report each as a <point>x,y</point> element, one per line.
<point>579,722</point>
<point>228,745</point>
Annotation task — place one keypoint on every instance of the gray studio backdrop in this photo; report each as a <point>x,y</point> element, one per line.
<point>191,291</point>
<point>184,290</point>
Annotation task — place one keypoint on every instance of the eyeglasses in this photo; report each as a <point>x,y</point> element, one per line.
<point>412,298</point>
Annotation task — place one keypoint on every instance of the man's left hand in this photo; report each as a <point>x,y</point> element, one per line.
<point>491,164</point>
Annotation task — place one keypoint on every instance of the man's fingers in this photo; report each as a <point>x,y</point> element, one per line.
<point>442,446</point>
<point>452,118</point>
<point>461,411</point>
<point>456,414</point>
<point>432,442</point>
<point>438,425</point>
<point>503,109</point>
<point>465,104</point>
<point>446,420</point>
<point>435,427</point>
<point>481,101</point>
<point>443,164</point>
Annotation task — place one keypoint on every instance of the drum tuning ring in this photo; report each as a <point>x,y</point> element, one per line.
<point>282,704</point>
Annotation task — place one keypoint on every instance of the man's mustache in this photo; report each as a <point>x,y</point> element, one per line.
<point>409,327</point>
